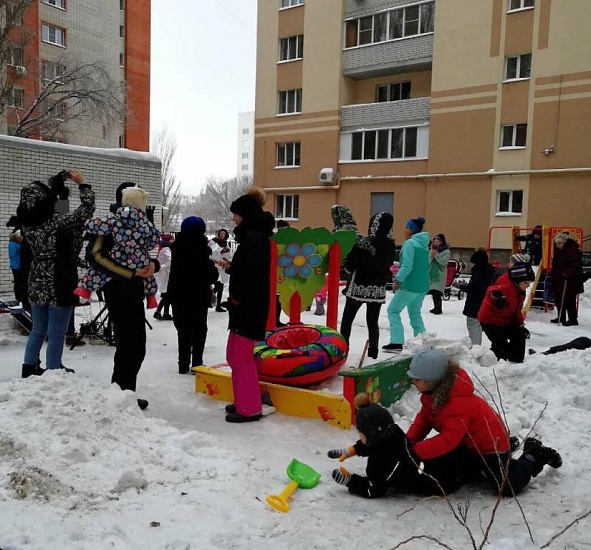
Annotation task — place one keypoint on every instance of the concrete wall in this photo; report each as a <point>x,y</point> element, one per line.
<point>23,160</point>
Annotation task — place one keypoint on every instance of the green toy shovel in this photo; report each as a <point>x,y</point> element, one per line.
<point>301,475</point>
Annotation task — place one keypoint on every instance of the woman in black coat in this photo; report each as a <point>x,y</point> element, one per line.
<point>368,277</point>
<point>191,274</point>
<point>482,277</point>
<point>567,278</point>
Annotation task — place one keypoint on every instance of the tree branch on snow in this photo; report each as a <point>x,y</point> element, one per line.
<point>560,533</point>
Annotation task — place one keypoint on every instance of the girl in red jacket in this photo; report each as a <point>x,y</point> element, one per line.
<point>500,313</point>
<point>464,420</point>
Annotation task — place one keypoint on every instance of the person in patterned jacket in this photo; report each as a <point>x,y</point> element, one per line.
<point>134,235</point>
<point>53,273</point>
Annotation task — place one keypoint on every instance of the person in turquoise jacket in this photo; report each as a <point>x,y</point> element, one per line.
<point>410,285</point>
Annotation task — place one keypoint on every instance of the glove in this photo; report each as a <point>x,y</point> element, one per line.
<point>341,476</point>
<point>498,298</point>
<point>526,333</point>
<point>342,454</point>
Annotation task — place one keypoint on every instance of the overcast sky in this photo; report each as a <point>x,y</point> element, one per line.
<point>203,75</point>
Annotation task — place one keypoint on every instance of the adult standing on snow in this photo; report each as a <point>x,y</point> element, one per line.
<point>220,253</point>
<point>439,256</point>
<point>191,274</point>
<point>567,278</point>
<point>124,296</point>
<point>248,304</point>
<point>164,258</point>
<point>410,284</point>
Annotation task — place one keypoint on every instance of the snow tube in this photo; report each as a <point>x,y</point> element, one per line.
<point>300,355</point>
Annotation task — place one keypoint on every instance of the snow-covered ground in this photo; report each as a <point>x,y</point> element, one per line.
<point>81,467</point>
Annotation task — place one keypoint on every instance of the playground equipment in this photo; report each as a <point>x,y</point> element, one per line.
<point>301,475</point>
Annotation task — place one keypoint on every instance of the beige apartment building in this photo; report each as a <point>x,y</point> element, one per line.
<point>471,113</point>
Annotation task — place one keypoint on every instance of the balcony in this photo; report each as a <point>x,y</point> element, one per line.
<point>384,58</point>
<point>386,115</point>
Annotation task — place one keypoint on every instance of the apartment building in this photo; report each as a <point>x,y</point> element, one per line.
<point>473,114</point>
<point>54,35</point>
<point>245,145</point>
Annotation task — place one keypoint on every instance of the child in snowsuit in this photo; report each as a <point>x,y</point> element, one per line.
<point>134,235</point>
<point>500,313</point>
<point>481,279</point>
<point>439,256</point>
<point>465,422</point>
<point>390,460</point>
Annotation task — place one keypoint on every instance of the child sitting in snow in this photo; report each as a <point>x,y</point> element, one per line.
<point>134,235</point>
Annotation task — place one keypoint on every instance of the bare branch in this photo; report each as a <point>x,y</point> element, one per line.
<point>560,533</point>
<point>421,537</point>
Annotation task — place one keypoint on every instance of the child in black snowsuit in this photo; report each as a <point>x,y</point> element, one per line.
<point>390,460</point>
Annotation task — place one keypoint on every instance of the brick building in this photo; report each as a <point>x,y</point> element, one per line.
<point>471,113</point>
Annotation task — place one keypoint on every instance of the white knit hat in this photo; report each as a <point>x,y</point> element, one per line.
<point>520,258</point>
<point>135,196</point>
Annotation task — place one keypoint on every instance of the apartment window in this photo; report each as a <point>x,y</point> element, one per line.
<point>395,143</point>
<point>122,60</point>
<point>122,5</point>
<point>244,155</point>
<point>518,67</point>
<point>57,3</point>
<point>16,55</point>
<point>520,4</point>
<point>56,110</point>
<point>509,202</point>
<point>17,18</point>
<point>290,101</point>
<point>245,131</point>
<point>51,71</point>
<point>291,48</point>
<point>514,135</point>
<point>16,98</point>
<point>390,25</point>
<point>53,35</point>
<point>288,154</point>
<point>121,142</point>
<point>121,31</point>
<point>287,207</point>
<point>393,92</point>
<point>290,3</point>
<point>245,167</point>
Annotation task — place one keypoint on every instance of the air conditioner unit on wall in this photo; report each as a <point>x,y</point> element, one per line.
<point>327,176</point>
<point>20,70</point>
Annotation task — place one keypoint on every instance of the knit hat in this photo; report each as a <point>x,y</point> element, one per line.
<point>120,189</point>
<point>441,237</point>
<point>520,258</point>
<point>193,225</point>
<point>480,256</point>
<point>562,238</point>
<point>428,364</point>
<point>416,224</point>
<point>250,204</point>
<point>134,196</point>
<point>537,230</point>
<point>521,272</point>
<point>375,422</point>
<point>167,237</point>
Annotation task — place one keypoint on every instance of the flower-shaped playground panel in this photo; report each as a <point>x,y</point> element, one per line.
<point>299,260</point>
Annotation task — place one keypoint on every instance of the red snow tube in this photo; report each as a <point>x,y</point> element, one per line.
<point>300,355</point>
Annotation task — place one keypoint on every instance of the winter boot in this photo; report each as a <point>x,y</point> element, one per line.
<point>167,317</point>
<point>392,348</point>
<point>142,404</point>
<point>535,452</point>
<point>237,418</point>
<point>74,341</point>
<point>71,371</point>
<point>372,353</point>
<point>320,306</point>
<point>32,370</point>
<point>158,316</point>
<point>183,369</point>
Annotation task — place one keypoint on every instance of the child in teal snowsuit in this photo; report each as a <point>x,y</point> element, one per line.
<point>411,284</point>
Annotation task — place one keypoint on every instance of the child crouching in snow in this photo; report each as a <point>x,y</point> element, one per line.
<point>134,235</point>
<point>466,423</point>
<point>391,463</point>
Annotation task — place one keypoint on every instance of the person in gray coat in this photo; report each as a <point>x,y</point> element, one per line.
<point>438,259</point>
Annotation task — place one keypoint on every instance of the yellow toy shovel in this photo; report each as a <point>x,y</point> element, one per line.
<point>301,475</point>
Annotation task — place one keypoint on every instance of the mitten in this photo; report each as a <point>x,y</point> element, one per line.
<point>341,476</point>
<point>342,454</point>
<point>498,299</point>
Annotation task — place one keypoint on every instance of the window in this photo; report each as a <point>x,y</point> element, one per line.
<point>518,67</point>
<point>291,48</point>
<point>16,55</point>
<point>396,143</point>
<point>288,154</point>
<point>245,143</point>
<point>509,202</point>
<point>17,18</point>
<point>57,3</point>
<point>245,131</point>
<point>16,98</point>
<point>122,5</point>
<point>121,31</point>
<point>122,60</point>
<point>56,110</point>
<point>390,25</point>
<point>287,207</point>
<point>514,135</point>
<point>290,101</point>
<point>121,142</point>
<point>520,4</point>
<point>291,3</point>
<point>244,155</point>
<point>244,167</point>
<point>53,35</point>
<point>51,71</point>
<point>393,92</point>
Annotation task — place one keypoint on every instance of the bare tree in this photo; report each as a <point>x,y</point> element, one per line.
<point>68,92</point>
<point>12,40</point>
<point>219,195</point>
<point>164,146</point>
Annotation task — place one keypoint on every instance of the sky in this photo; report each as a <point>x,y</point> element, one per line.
<point>203,75</point>
<point>82,468</point>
